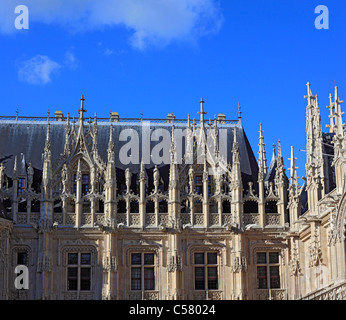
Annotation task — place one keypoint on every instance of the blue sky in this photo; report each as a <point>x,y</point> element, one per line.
<point>161,56</point>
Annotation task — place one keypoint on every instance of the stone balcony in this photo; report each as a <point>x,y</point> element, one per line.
<point>333,292</point>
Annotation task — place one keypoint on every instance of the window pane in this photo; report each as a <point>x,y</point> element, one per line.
<point>85,279</point>
<point>149,281</point>
<point>212,278</point>
<point>85,178</point>
<point>149,258</point>
<point>72,258</point>
<point>261,257</point>
<point>262,277</point>
<point>199,258</point>
<point>22,258</point>
<point>72,278</point>
<point>212,258</point>
<point>199,278</point>
<point>136,259</point>
<point>136,279</point>
<point>85,258</point>
<point>273,257</point>
<point>274,278</point>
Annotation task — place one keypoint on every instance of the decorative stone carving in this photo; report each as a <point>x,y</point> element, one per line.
<point>315,249</point>
<point>239,264</point>
<point>110,264</point>
<point>174,264</point>
<point>128,176</point>
<point>44,263</point>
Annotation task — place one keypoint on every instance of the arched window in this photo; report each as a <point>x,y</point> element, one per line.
<point>134,206</point>
<point>150,206</point>
<point>226,206</point>
<point>184,206</point>
<point>251,206</point>
<point>271,207</point>
<point>213,206</point>
<point>121,206</point>
<point>163,206</point>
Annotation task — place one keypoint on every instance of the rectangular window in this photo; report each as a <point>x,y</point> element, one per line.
<point>136,279</point>
<point>262,277</point>
<point>142,271</point>
<point>79,271</point>
<point>268,268</point>
<point>72,278</point>
<point>149,283</point>
<point>206,271</point>
<point>199,278</point>
<point>22,258</point>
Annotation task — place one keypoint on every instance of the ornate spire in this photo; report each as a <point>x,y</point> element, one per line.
<point>67,136</point>
<point>294,187</point>
<point>47,164</point>
<point>239,113</point>
<point>110,149</point>
<point>331,116</point>
<point>81,110</point>
<point>94,136</point>
<point>262,160</point>
<point>235,170</point>
<point>15,168</point>
<point>338,114</point>
<point>309,96</point>
<point>202,113</point>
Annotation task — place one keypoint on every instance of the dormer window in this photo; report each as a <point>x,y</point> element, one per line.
<point>21,185</point>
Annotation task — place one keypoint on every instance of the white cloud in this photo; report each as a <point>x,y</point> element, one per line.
<point>150,22</point>
<point>70,60</point>
<point>37,70</point>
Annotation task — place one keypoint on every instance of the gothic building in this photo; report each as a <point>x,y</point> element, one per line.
<point>94,208</point>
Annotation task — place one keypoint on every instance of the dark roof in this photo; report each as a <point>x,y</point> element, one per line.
<point>28,138</point>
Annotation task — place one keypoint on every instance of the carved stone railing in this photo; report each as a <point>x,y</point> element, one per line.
<point>185,218</point>
<point>150,219</point>
<point>78,295</point>
<point>58,217</point>
<point>122,218</point>
<point>272,219</point>
<point>270,294</point>
<point>22,218</point>
<point>99,218</point>
<point>20,295</point>
<point>214,219</point>
<point>144,295</point>
<point>198,219</point>
<point>86,219</point>
<point>34,217</point>
<point>335,292</point>
<point>163,218</point>
<point>251,218</point>
<point>134,219</point>
<point>226,218</point>
<point>70,219</point>
<point>206,295</point>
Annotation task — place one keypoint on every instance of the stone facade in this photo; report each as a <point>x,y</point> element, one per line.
<point>88,228</point>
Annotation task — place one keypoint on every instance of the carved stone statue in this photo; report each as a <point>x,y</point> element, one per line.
<point>191,179</point>
<point>156,175</point>
<point>128,176</point>
<point>2,174</point>
<point>30,173</point>
<point>64,178</point>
